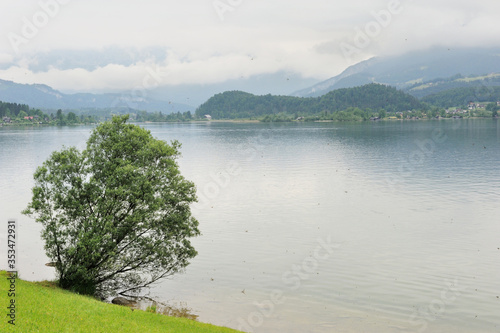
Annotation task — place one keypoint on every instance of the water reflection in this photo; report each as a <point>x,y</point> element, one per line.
<point>171,308</point>
<point>401,246</point>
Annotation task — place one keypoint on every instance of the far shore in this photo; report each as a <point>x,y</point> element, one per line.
<point>240,121</point>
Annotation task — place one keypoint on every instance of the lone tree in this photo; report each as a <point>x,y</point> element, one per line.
<point>115,216</point>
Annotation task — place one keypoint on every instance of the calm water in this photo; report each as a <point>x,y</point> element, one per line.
<point>324,227</point>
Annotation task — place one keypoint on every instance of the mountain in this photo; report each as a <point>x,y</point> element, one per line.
<point>411,68</point>
<point>279,83</point>
<point>440,85</point>
<point>44,97</point>
<point>238,104</point>
<point>167,99</point>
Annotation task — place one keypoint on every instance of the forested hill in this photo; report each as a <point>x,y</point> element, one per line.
<point>238,104</point>
<point>462,96</point>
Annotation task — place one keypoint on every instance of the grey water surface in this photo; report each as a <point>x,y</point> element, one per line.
<point>316,227</point>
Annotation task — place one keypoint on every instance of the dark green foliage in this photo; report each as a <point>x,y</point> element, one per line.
<point>17,112</point>
<point>12,109</point>
<point>237,104</point>
<point>162,117</point>
<point>432,87</point>
<point>72,118</point>
<point>460,97</point>
<point>371,96</point>
<point>493,108</point>
<point>116,216</point>
<point>278,118</point>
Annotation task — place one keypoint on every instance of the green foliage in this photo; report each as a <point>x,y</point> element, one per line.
<point>72,118</point>
<point>482,113</point>
<point>350,114</point>
<point>115,216</point>
<point>237,104</point>
<point>439,85</point>
<point>18,112</point>
<point>371,96</point>
<point>61,119</point>
<point>161,117</point>
<point>151,309</point>
<point>277,118</point>
<point>493,108</point>
<point>12,109</point>
<point>460,97</point>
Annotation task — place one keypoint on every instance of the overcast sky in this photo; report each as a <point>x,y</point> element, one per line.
<point>76,45</point>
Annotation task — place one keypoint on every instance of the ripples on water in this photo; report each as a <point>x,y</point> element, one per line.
<point>411,225</point>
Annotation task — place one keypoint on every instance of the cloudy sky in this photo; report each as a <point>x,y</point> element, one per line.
<point>96,46</point>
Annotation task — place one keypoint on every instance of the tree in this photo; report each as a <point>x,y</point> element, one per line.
<point>115,216</point>
<point>22,114</point>
<point>60,118</point>
<point>72,117</point>
<point>493,107</point>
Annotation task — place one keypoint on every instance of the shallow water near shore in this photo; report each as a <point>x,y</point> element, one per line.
<point>318,227</point>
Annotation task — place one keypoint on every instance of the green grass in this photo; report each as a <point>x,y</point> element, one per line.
<point>43,307</point>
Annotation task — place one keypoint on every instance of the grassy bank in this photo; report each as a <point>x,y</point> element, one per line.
<point>43,307</point>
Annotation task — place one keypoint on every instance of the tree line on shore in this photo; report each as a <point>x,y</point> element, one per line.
<point>23,114</point>
<point>372,101</point>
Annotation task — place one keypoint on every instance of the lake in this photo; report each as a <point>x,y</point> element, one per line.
<point>316,227</point>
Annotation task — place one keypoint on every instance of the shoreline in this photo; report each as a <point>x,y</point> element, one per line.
<point>49,308</point>
<point>242,121</point>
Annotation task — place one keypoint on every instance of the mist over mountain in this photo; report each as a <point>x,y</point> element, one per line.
<point>411,68</point>
<point>44,97</point>
<point>280,83</point>
<point>166,99</point>
<point>419,73</point>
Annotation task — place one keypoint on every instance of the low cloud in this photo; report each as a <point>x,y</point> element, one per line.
<point>96,46</point>
<point>5,58</point>
<point>198,68</point>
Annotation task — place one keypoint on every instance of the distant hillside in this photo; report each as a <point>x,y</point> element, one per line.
<point>460,97</point>
<point>435,86</point>
<point>44,97</point>
<point>279,83</point>
<point>238,104</point>
<point>415,67</point>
